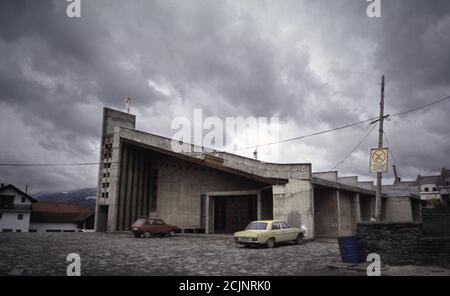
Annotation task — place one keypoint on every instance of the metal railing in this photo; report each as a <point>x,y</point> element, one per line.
<point>14,207</point>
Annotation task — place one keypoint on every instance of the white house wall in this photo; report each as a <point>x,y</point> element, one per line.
<point>10,220</point>
<point>43,227</point>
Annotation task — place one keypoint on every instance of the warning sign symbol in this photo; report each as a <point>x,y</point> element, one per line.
<point>378,160</point>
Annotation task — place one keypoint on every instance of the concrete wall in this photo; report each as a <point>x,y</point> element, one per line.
<point>353,180</point>
<point>293,202</point>
<point>366,204</point>
<point>10,220</point>
<point>267,204</point>
<point>398,209</point>
<point>366,184</point>
<point>43,227</point>
<point>326,221</point>
<point>181,184</point>
<point>330,176</point>
<point>347,213</point>
<point>336,212</point>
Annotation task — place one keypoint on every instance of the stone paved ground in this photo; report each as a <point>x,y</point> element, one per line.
<point>122,254</point>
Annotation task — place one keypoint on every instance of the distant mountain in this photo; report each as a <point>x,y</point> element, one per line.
<point>84,197</point>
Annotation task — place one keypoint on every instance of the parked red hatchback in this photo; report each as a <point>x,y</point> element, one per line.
<point>147,227</point>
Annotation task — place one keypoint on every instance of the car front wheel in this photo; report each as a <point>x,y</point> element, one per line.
<point>147,234</point>
<point>299,239</point>
<point>172,233</point>
<point>270,243</point>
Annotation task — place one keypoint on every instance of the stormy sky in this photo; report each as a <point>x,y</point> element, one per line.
<point>315,64</point>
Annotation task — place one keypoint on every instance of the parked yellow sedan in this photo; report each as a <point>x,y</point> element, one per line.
<point>268,233</point>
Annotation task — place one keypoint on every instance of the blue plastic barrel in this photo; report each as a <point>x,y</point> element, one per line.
<point>349,249</point>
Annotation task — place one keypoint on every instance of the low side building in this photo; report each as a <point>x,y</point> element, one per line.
<point>15,209</point>
<point>60,217</point>
<point>402,204</point>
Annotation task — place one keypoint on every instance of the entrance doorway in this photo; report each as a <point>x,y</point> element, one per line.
<point>233,213</point>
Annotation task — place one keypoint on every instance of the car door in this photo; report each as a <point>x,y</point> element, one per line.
<point>289,233</point>
<point>149,227</point>
<point>277,231</point>
<point>162,226</point>
<point>158,226</point>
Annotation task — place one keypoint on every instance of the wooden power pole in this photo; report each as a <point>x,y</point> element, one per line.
<point>380,145</point>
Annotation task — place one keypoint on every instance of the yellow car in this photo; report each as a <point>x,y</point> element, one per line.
<point>268,233</point>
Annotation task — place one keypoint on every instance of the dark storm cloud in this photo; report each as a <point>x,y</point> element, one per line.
<point>314,63</point>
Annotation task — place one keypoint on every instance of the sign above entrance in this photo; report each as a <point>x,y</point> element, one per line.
<point>378,160</point>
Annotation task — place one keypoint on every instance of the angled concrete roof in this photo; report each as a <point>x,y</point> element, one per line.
<point>273,173</point>
<point>341,186</point>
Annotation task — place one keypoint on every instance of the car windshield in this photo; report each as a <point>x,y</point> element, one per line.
<point>257,226</point>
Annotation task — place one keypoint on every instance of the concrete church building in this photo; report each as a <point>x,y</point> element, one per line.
<point>216,192</point>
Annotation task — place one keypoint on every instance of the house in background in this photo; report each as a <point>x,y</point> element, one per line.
<point>60,217</point>
<point>434,190</point>
<point>15,209</point>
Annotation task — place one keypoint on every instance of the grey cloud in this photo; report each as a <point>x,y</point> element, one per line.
<point>247,57</point>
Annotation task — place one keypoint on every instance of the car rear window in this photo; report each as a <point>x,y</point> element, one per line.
<point>139,222</point>
<point>257,226</point>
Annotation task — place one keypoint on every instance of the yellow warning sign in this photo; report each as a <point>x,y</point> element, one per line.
<point>378,160</point>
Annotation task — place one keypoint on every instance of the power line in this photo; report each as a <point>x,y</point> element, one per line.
<point>356,147</point>
<point>309,135</point>
<point>48,164</point>
<point>421,107</point>
<point>372,120</point>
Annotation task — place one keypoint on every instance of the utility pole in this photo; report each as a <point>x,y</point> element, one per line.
<point>380,145</point>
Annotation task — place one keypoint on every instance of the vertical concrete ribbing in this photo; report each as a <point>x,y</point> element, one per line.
<point>126,186</point>
<point>207,230</point>
<point>140,187</point>
<point>150,188</point>
<point>128,195</point>
<point>338,202</point>
<point>145,186</point>
<point>142,182</point>
<point>357,208</point>
<point>134,188</point>
<point>121,187</point>
<point>258,206</point>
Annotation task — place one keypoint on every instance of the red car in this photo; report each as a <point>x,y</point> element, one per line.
<point>148,227</point>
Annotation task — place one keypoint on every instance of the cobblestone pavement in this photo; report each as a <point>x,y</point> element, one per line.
<point>122,254</point>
